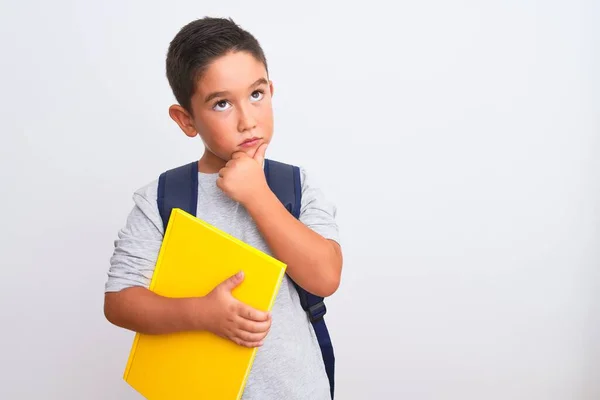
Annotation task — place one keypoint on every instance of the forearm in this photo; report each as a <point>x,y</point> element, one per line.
<point>141,310</point>
<point>313,262</point>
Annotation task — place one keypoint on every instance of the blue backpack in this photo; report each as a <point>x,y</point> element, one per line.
<point>178,188</point>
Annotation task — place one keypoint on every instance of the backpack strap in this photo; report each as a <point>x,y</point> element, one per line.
<point>284,181</point>
<point>178,188</point>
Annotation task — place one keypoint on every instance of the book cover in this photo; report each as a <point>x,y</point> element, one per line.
<point>194,258</point>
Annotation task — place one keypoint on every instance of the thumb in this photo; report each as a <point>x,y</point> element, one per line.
<point>259,156</point>
<point>233,281</point>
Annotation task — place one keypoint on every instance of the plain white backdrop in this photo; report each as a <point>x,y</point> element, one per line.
<point>459,140</point>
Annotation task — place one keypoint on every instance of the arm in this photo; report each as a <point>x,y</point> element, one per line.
<point>314,263</point>
<point>141,310</point>
<point>128,303</point>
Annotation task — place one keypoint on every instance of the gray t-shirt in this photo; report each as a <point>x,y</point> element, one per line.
<point>289,365</point>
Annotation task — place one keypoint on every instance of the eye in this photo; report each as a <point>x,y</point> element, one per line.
<point>221,105</point>
<point>257,95</point>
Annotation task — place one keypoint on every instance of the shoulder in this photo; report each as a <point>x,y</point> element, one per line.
<point>308,180</point>
<point>146,194</point>
<point>317,210</point>
<point>145,211</point>
<point>313,192</point>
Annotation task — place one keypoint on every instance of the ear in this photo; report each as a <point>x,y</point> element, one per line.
<point>183,119</point>
<point>271,87</point>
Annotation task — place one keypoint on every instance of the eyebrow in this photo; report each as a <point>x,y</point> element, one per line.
<point>261,81</point>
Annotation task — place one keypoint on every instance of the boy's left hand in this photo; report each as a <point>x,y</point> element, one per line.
<point>243,177</point>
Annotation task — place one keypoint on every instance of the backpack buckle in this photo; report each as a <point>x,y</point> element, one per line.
<point>316,312</point>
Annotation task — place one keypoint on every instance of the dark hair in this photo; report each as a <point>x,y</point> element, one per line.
<point>199,43</point>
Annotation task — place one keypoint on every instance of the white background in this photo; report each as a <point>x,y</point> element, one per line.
<point>459,140</point>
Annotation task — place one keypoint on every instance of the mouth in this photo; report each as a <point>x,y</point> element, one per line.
<point>250,142</point>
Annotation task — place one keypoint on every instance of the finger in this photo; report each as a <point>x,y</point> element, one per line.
<point>233,281</point>
<point>253,326</point>
<point>252,314</point>
<point>250,337</point>
<point>223,171</point>
<point>244,343</point>
<point>259,156</point>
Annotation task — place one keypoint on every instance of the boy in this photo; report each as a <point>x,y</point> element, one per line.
<point>218,74</point>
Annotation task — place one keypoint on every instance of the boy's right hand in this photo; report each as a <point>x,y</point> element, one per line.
<point>231,319</point>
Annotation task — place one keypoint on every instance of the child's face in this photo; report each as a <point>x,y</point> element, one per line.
<point>232,108</point>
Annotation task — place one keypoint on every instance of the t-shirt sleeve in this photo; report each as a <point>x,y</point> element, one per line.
<point>137,245</point>
<point>317,212</point>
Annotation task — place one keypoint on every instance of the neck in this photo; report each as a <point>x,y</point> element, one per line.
<point>210,163</point>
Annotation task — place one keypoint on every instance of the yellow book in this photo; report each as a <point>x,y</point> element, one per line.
<point>194,258</point>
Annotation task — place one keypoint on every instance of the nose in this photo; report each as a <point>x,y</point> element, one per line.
<point>246,118</point>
